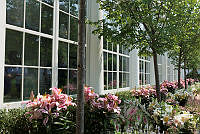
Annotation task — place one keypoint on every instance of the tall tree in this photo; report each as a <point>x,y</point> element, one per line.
<point>81,69</point>
<point>147,25</point>
<point>186,39</point>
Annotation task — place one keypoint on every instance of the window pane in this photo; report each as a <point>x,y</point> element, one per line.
<point>147,78</point>
<point>48,1</point>
<point>45,80</point>
<point>125,64</point>
<point>32,15</point>
<point>105,80</point>
<point>74,7</point>
<point>110,81</point>
<point>114,81</point>
<point>73,29</point>
<point>62,80</point>
<point>30,82</point>
<point>120,63</point>
<point>31,49</point>
<point>114,62</point>
<point>45,52</point>
<point>120,48</point>
<point>141,66</point>
<point>105,60</point>
<point>125,80</point>
<point>115,48</point>
<point>147,67</point>
<point>73,56</point>
<point>63,55</point>
<point>64,5</point>
<point>72,81</point>
<point>63,25</point>
<point>12,84</point>
<point>14,43</point>
<point>120,80</point>
<point>47,19</point>
<point>15,12</point>
<point>141,79</point>
<point>109,61</point>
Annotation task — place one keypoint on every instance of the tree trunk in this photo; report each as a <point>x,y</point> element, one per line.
<point>156,76</point>
<point>185,74</point>
<point>179,69</point>
<point>81,69</point>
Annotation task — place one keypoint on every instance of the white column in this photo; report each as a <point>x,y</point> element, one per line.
<point>2,45</point>
<point>152,74</point>
<point>134,69</point>
<point>94,50</point>
<point>55,45</point>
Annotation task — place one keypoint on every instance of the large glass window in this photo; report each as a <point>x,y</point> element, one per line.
<point>144,70</point>
<point>30,47</point>
<point>116,66</point>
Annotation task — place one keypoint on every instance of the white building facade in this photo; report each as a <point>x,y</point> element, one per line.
<point>38,42</point>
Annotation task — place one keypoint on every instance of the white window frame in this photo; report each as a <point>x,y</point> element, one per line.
<point>55,42</point>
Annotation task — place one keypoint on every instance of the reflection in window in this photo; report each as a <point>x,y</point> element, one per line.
<point>32,15</point>
<point>63,25</point>
<point>63,55</point>
<point>15,12</point>
<point>105,81</point>
<point>64,5</point>
<point>74,7</point>
<point>73,56</point>
<point>45,52</point>
<point>31,50</point>
<point>12,84</point>
<point>62,80</point>
<point>13,50</point>
<point>72,81</point>
<point>45,80</point>
<point>48,1</point>
<point>73,29</point>
<point>30,82</point>
<point>47,19</point>
<point>144,72</point>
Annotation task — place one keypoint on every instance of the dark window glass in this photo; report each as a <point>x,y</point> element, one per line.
<point>15,12</point>
<point>120,48</point>
<point>63,55</point>
<point>105,81</point>
<point>141,80</point>
<point>62,80</point>
<point>114,62</point>
<point>73,29</point>
<point>45,81</point>
<point>74,7</point>
<point>32,15</point>
<point>114,47</point>
<point>105,60</point>
<point>73,56</point>
<point>12,84</point>
<point>63,25</point>
<point>120,63</point>
<point>14,44</point>
<point>110,81</point>
<point>45,52</point>
<point>31,50</point>
<point>120,80</point>
<point>64,5</point>
<point>109,61</point>
<point>47,19</point>
<point>30,82</point>
<point>48,2</point>
<point>72,81</point>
